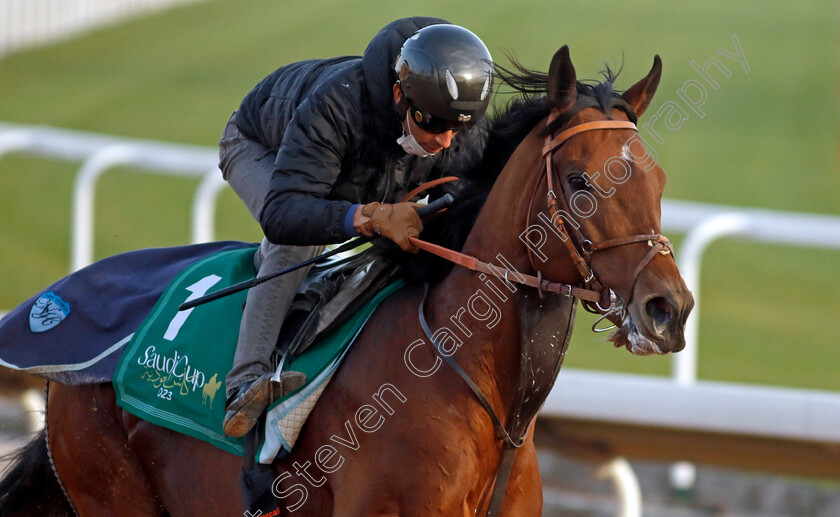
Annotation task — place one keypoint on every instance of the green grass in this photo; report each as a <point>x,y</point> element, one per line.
<point>768,139</point>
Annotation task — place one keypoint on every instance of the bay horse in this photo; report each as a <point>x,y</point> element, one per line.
<point>574,210</point>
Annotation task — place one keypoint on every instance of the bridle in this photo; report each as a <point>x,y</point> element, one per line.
<point>593,295</point>
<point>580,248</point>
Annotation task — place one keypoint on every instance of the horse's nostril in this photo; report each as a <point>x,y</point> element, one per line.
<point>659,311</point>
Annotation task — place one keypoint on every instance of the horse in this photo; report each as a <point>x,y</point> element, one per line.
<point>566,208</point>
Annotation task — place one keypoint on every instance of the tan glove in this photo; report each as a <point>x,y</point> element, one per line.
<point>397,222</point>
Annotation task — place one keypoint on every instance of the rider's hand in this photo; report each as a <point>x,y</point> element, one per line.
<point>397,221</point>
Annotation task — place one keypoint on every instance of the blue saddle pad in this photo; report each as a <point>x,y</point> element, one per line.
<point>73,331</point>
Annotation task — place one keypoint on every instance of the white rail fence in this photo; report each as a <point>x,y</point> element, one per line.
<point>28,23</point>
<point>99,153</point>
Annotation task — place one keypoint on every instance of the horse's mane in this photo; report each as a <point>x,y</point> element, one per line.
<point>501,133</point>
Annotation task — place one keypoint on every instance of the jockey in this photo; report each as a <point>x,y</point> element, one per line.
<point>321,151</point>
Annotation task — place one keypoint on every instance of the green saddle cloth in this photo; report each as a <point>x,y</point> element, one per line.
<point>172,372</point>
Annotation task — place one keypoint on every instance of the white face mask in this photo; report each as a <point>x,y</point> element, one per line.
<point>410,144</point>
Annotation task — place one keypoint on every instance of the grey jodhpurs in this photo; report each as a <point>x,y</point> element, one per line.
<point>247,166</point>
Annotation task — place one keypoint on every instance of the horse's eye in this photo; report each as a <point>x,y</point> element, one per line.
<point>577,182</point>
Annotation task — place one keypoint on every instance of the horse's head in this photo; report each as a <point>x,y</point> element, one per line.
<point>604,189</point>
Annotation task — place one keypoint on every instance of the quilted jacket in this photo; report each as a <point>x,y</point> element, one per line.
<point>334,124</point>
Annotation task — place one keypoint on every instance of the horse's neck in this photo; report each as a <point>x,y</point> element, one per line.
<point>512,342</point>
<point>480,316</point>
<point>487,310</point>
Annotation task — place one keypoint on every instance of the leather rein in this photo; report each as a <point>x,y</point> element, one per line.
<point>593,295</point>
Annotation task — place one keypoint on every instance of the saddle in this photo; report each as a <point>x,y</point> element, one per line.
<point>332,292</point>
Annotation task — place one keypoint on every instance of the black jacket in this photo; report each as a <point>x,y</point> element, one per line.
<point>334,125</point>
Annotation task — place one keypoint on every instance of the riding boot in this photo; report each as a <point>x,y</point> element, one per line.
<point>247,403</point>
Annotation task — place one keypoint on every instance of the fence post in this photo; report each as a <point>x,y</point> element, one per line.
<point>81,245</point>
<point>204,206</point>
<point>691,255</point>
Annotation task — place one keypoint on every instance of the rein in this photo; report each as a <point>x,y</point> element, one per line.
<point>509,275</point>
<point>594,296</point>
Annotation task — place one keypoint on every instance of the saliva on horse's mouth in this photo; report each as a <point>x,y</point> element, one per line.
<point>629,337</point>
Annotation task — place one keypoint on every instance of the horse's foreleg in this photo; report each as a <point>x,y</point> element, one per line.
<point>89,448</point>
<point>523,497</point>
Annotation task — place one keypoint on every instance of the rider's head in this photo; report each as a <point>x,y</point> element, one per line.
<point>444,81</point>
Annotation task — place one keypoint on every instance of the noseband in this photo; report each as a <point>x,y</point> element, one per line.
<point>580,248</point>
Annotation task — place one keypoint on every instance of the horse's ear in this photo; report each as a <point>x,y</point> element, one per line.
<point>640,94</point>
<point>561,87</point>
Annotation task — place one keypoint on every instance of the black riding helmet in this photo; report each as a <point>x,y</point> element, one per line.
<point>445,73</point>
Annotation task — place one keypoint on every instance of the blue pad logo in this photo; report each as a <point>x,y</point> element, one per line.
<point>48,311</point>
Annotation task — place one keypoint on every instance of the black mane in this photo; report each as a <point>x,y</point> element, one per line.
<point>532,85</point>
<point>502,132</point>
